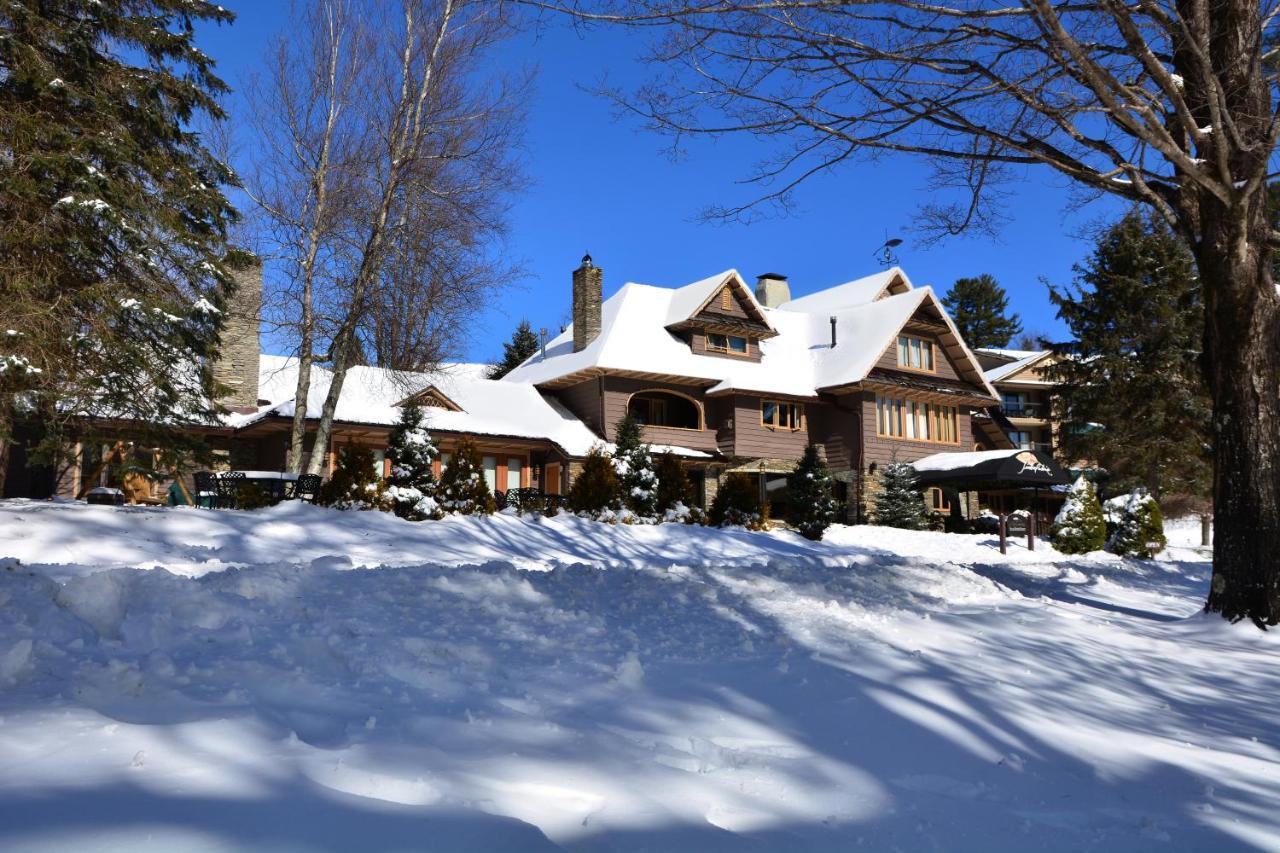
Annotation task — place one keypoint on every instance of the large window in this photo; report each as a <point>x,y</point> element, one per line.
<point>727,343</point>
<point>778,415</point>
<point>1021,438</point>
<point>899,418</point>
<point>662,408</point>
<point>915,353</point>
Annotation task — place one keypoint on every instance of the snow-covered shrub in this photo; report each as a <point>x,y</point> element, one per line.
<point>637,481</point>
<point>594,491</point>
<point>462,486</point>
<point>1140,528</point>
<point>1079,526</point>
<point>899,499</point>
<point>411,488</point>
<point>811,494</point>
<point>675,499</point>
<point>355,483</point>
<point>737,504</point>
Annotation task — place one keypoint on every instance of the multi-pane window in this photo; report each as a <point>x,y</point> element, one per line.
<point>915,353</point>
<point>899,418</point>
<point>1021,438</point>
<point>779,415</point>
<point>727,343</point>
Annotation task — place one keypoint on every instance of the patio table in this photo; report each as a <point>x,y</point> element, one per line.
<point>274,483</point>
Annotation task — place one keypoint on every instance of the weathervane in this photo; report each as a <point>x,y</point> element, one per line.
<point>885,254</point>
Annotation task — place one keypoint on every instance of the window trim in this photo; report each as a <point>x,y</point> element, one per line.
<point>702,414</point>
<point>933,353</point>
<point>931,412</point>
<point>937,501</point>
<point>799,416</point>
<point>727,350</point>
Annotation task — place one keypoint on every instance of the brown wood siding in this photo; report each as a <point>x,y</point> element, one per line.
<point>735,308</point>
<point>752,439</point>
<point>836,425</point>
<point>584,401</point>
<point>698,343</point>
<point>618,390</point>
<point>881,449</point>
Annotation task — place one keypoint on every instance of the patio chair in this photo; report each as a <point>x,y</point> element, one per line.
<point>307,488</point>
<point>229,483</point>
<point>206,489</point>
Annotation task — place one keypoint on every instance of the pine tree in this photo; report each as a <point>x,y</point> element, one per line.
<point>595,490</point>
<point>811,495</point>
<point>411,488</point>
<point>462,486</point>
<point>980,309</point>
<point>675,492</point>
<point>1079,526</point>
<point>355,483</point>
<point>1131,382</point>
<point>113,256</point>
<point>524,343</point>
<point>737,504</point>
<point>899,499</point>
<point>637,480</point>
<point>1140,531</point>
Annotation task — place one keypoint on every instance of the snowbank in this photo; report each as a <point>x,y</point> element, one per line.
<point>681,690</point>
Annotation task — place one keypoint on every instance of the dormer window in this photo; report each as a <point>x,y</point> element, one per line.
<point>732,344</point>
<point>915,353</point>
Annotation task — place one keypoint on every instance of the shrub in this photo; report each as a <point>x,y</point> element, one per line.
<point>637,481</point>
<point>1079,527</point>
<point>411,488</point>
<point>595,490</point>
<point>355,483</point>
<point>674,487</point>
<point>812,495</point>
<point>899,499</point>
<point>737,504</point>
<point>1140,531</point>
<point>462,486</point>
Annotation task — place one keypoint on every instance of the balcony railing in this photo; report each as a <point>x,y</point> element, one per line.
<point>1046,446</point>
<point>1024,410</point>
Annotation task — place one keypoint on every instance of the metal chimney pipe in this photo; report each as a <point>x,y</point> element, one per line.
<point>833,332</point>
<point>542,334</point>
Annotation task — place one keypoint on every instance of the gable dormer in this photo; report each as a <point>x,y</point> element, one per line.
<point>725,321</point>
<point>430,397</point>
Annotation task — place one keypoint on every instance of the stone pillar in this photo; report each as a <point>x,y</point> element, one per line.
<point>236,369</point>
<point>588,297</point>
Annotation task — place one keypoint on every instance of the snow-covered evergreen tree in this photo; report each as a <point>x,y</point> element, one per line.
<point>637,479</point>
<point>411,488</point>
<point>1079,527</point>
<point>675,498</point>
<point>523,344</point>
<point>737,504</point>
<point>1140,528</point>
<point>595,491</point>
<point>899,499</point>
<point>811,495</point>
<point>462,486</point>
<point>355,483</point>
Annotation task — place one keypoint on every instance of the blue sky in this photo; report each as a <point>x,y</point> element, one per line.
<point>604,184</point>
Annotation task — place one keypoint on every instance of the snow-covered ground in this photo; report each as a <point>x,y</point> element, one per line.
<point>530,684</point>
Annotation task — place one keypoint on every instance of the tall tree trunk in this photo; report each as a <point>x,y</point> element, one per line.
<point>1242,342</point>
<point>343,354</point>
<point>301,396</point>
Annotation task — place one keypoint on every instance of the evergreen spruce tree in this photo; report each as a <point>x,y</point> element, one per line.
<point>355,483</point>
<point>524,343</point>
<point>595,490</point>
<point>1140,531</point>
<point>1130,383</point>
<point>1079,526</point>
<point>675,500</point>
<point>811,495</point>
<point>411,488</point>
<point>637,480</point>
<point>462,486</point>
<point>899,499</point>
<point>113,256</point>
<point>980,309</point>
<point>737,504</point>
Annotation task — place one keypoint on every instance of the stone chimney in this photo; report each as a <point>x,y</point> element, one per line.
<point>237,366</point>
<point>772,289</point>
<point>588,296</point>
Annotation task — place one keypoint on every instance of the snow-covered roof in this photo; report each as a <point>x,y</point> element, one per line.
<point>860,291</point>
<point>1021,359</point>
<point>798,361</point>
<point>370,395</point>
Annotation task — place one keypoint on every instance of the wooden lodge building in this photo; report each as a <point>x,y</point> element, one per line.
<point>730,378</point>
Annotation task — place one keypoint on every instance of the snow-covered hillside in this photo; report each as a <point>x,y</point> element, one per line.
<point>528,684</point>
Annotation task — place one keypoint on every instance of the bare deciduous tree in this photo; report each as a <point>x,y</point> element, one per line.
<point>1169,104</point>
<point>384,173</point>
